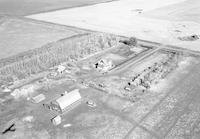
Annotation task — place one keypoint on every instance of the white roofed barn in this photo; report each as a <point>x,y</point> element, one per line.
<point>67,101</point>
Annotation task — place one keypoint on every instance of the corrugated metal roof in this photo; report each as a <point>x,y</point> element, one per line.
<point>68,99</point>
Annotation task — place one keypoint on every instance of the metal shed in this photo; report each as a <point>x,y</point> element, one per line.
<point>67,101</point>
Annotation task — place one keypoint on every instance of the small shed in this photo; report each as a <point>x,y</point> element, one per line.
<point>38,98</point>
<point>56,120</point>
<point>61,68</point>
<point>66,101</point>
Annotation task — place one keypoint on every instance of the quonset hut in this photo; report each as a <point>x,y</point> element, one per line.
<point>67,101</point>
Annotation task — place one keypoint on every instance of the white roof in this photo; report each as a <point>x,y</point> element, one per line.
<point>38,98</point>
<point>68,99</point>
<point>61,68</point>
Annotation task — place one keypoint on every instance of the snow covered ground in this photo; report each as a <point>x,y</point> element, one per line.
<point>129,18</point>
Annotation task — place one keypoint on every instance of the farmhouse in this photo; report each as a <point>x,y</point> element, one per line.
<point>66,101</point>
<point>104,65</point>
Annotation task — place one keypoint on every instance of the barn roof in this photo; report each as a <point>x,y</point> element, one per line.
<point>68,99</point>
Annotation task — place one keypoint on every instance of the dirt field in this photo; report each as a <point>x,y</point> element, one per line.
<point>24,7</point>
<point>129,18</point>
<point>188,10</point>
<point>19,35</point>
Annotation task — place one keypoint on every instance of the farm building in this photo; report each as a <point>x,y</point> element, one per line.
<point>61,69</point>
<point>56,120</point>
<point>67,101</point>
<point>38,98</point>
<point>104,65</point>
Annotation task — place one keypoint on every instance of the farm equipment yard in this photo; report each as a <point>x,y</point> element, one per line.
<point>99,74</point>
<point>123,91</point>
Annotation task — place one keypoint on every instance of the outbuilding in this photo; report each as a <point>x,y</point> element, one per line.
<point>56,120</point>
<point>61,69</point>
<point>66,101</point>
<point>38,98</point>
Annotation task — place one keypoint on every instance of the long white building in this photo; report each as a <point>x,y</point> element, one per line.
<point>66,101</point>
